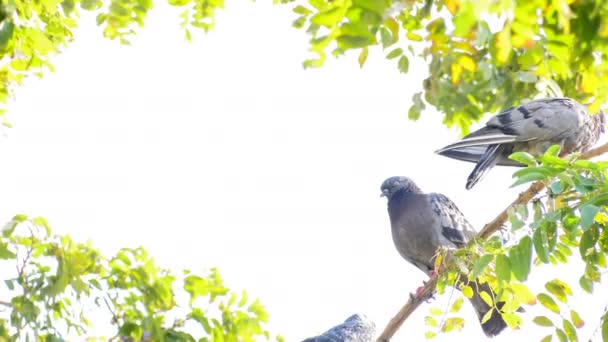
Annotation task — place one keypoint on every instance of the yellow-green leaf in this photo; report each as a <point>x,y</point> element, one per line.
<point>570,330</point>
<point>514,321</point>
<point>548,302</point>
<point>363,56</point>
<point>467,291</point>
<point>576,319</point>
<point>542,321</point>
<point>456,305</point>
<point>522,293</point>
<point>486,298</point>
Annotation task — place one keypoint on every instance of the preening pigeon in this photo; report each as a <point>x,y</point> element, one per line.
<point>421,223</point>
<point>531,127</point>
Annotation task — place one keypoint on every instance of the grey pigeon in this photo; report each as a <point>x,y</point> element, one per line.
<point>356,328</point>
<point>531,127</point>
<point>421,223</point>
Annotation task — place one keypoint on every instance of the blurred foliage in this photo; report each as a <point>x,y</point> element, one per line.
<point>56,289</point>
<point>567,222</point>
<point>482,55</point>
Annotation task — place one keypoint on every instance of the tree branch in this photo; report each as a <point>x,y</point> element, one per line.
<point>427,291</point>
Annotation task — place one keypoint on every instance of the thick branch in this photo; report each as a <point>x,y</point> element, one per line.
<point>414,302</point>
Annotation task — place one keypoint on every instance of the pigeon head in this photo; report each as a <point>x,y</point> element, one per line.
<point>395,184</point>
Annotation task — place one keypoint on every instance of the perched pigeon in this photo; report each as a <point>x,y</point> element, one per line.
<point>356,328</point>
<point>531,127</point>
<point>421,223</point>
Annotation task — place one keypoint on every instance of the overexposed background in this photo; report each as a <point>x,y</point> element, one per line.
<point>226,153</point>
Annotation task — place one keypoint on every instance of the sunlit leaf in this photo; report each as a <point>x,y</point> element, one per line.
<point>542,321</point>
<point>548,302</point>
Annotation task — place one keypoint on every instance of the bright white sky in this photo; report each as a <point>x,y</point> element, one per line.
<point>226,153</point>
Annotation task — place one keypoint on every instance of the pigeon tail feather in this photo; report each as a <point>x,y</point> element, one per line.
<point>486,163</point>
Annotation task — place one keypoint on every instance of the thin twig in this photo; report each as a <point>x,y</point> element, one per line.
<point>427,290</point>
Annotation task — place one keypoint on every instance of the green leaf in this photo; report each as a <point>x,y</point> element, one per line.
<point>404,64</point>
<point>561,335</point>
<point>5,253</point>
<point>559,289</point>
<point>542,321</point>
<point>395,53</point>
<point>7,28</point>
<point>570,330</point>
<point>548,302</point>
<point>588,213</point>
<point>586,284</point>
<point>547,338</point>
<point>539,238</point>
<point>430,334</point>
<point>587,242</point>
<point>529,177</point>
<point>524,158</point>
<point>417,107</point>
<point>553,151</point>
<point>605,328</point>
<point>503,268</point>
<point>481,264</point>
<point>520,258</point>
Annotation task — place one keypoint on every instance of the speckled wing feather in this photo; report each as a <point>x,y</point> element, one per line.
<point>454,226</point>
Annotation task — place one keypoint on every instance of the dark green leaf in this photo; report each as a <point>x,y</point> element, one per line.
<point>7,28</point>
<point>503,268</point>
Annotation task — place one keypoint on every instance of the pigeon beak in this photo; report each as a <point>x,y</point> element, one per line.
<point>384,193</point>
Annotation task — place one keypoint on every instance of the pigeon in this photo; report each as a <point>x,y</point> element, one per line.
<point>421,223</point>
<point>531,127</point>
